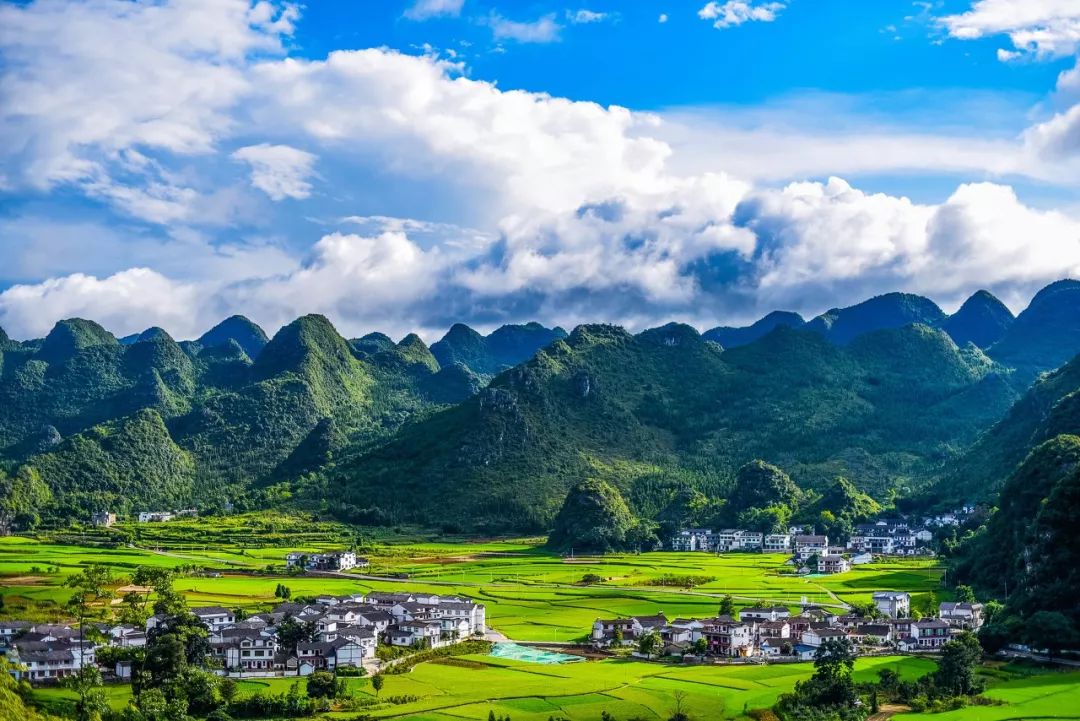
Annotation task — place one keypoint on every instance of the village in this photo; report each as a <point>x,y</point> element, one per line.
<point>338,632</point>
<point>813,553</point>
<point>773,633</point>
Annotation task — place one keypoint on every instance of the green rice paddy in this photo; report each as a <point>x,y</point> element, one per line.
<point>530,594</point>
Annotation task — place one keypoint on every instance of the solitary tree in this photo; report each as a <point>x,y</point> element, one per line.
<point>960,658</point>
<point>727,606</point>
<point>377,682</point>
<point>91,590</point>
<point>649,643</point>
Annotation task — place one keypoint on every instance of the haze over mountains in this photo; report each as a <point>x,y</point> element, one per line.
<point>489,432</point>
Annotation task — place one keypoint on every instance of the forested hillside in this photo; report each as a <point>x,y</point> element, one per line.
<point>490,432</point>
<point>666,407</point>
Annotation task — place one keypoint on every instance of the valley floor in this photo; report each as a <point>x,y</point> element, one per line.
<point>530,595</point>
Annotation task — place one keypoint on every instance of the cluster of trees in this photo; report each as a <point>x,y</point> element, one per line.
<point>595,518</point>
<point>760,497</point>
<point>832,694</point>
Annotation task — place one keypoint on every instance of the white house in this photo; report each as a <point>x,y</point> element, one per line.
<point>777,543</point>
<point>967,616</point>
<point>893,604</point>
<point>807,546</point>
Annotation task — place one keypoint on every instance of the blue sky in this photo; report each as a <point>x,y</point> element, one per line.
<point>400,166</point>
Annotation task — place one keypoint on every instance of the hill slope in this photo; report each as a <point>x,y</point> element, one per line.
<point>730,337</point>
<point>982,320</point>
<point>1046,334</point>
<point>487,355</point>
<point>667,406</point>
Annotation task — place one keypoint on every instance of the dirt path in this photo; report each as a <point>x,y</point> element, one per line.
<point>887,711</point>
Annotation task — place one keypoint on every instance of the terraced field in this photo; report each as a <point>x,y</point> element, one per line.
<point>530,594</point>
<point>473,686</point>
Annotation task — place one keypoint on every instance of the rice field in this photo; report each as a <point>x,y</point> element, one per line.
<point>470,687</point>
<point>530,594</point>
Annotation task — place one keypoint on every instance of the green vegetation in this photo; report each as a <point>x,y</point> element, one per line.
<point>665,410</point>
<point>531,594</point>
<point>595,519</point>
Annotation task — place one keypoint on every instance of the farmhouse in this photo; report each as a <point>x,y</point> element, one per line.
<point>807,546</point>
<point>334,561</point>
<point>694,539</point>
<point>892,603</point>
<point>833,564</point>
<point>967,616</point>
<point>103,518</point>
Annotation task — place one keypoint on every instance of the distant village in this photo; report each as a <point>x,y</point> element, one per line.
<point>346,632</point>
<point>813,553</point>
<point>773,632</point>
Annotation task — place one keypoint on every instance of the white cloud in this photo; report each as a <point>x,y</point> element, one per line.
<point>127,302</point>
<point>544,29</point>
<point>585,17</point>
<point>601,213</point>
<point>736,12</point>
<point>527,150</point>
<point>663,18</point>
<point>1044,28</point>
<point>68,114</point>
<point>427,9</point>
<point>278,170</point>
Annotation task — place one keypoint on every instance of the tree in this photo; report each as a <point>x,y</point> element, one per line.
<point>701,646</point>
<point>228,689</point>
<point>377,682</point>
<point>91,589</point>
<point>727,606</point>
<point>22,497</point>
<point>321,684</point>
<point>992,609</point>
<point>1050,631</point>
<point>283,592</point>
<point>291,633</point>
<point>964,594</point>
<point>86,682</point>
<point>960,658</point>
<point>678,713</point>
<point>833,664</point>
<point>617,637</point>
<point>649,643</point>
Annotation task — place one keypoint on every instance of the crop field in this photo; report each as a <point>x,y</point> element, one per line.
<point>530,593</point>
<point>469,687</point>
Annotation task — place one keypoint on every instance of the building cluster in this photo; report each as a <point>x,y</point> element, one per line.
<point>881,538</point>
<point>151,516</point>
<point>773,631</point>
<point>344,631</point>
<point>334,561</point>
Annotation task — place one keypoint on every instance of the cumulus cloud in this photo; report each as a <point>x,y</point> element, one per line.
<point>736,12</point>
<point>126,302</point>
<point>278,170</point>
<point>1043,28</point>
<point>69,116</point>
<point>585,212</point>
<point>427,9</point>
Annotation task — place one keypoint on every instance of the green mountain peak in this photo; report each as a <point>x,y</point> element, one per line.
<point>70,337</point>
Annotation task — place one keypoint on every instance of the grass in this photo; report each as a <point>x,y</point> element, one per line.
<point>530,594</point>
<point>529,692</point>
